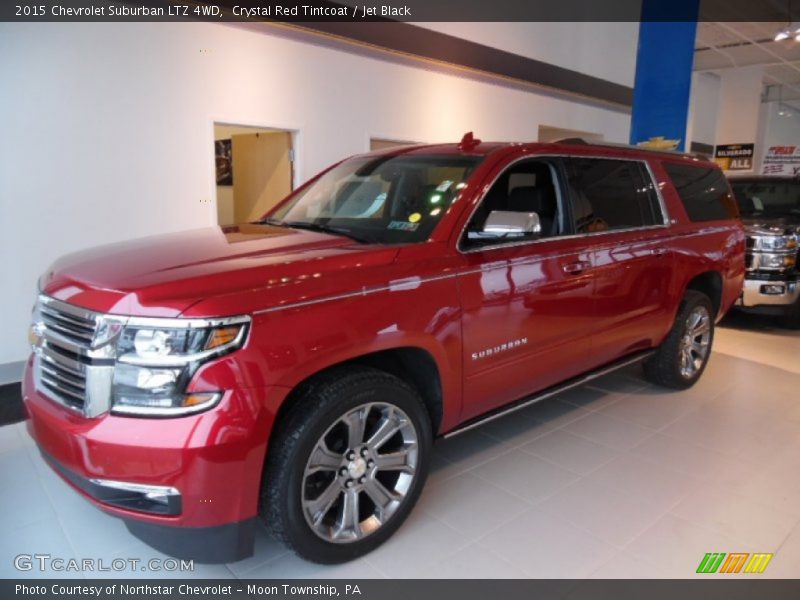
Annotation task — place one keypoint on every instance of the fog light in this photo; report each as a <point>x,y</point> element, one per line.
<point>773,289</point>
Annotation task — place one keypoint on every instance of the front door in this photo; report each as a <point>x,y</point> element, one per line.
<point>526,299</point>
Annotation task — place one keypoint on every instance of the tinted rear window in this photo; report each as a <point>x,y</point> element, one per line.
<point>704,192</point>
<point>610,194</point>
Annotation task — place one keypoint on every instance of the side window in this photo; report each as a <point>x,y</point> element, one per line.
<point>704,192</point>
<point>609,194</point>
<point>526,187</point>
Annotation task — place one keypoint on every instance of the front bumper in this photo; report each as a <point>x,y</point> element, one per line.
<point>754,293</point>
<point>209,466</point>
<point>215,544</point>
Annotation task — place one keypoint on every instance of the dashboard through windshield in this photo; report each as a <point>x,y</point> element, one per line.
<point>380,199</point>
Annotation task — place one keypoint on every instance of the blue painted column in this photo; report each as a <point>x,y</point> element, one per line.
<point>664,71</point>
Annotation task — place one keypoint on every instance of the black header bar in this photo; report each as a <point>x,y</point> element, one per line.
<point>354,11</point>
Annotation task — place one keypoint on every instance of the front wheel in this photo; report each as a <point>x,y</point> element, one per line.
<point>681,359</point>
<point>346,465</point>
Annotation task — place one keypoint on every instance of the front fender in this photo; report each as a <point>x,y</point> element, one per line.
<point>287,345</point>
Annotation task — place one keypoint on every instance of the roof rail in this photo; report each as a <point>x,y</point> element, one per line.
<point>582,142</point>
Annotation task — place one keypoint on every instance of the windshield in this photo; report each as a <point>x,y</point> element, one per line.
<point>383,199</point>
<point>779,198</point>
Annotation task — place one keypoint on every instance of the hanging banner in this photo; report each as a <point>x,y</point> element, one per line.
<point>735,157</point>
<point>782,160</point>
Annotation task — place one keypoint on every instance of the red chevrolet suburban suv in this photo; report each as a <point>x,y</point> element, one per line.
<point>296,370</point>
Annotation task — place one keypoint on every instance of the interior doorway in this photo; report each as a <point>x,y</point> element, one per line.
<point>254,170</point>
<point>552,134</point>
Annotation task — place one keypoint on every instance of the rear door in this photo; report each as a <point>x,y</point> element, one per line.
<point>617,211</point>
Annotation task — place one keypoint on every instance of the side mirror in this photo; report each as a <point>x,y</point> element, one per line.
<point>506,223</point>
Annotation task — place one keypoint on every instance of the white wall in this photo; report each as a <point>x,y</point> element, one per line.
<point>604,50</point>
<point>739,104</point>
<point>781,129</point>
<point>725,108</point>
<point>110,127</point>
<point>778,129</point>
<point>703,109</point>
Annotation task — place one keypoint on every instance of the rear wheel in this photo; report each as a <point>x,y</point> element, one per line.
<point>682,357</point>
<point>347,465</point>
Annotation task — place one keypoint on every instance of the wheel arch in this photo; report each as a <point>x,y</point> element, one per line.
<point>413,364</point>
<point>710,284</point>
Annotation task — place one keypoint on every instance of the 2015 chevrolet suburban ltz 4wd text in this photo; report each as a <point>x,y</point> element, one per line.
<point>295,371</point>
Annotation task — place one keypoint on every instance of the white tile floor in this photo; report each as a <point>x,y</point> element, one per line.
<point>616,479</point>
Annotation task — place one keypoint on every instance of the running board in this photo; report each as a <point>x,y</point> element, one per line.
<point>549,392</point>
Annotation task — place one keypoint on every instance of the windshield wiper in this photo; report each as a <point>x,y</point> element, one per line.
<point>321,228</point>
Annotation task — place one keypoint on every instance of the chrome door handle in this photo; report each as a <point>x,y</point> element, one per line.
<point>575,267</point>
<point>659,251</point>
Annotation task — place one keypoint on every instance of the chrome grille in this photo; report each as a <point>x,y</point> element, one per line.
<point>78,329</point>
<point>62,377</point>
<point>68,369</point>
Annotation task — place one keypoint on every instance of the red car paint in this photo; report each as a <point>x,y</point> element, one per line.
<point>318,299</point>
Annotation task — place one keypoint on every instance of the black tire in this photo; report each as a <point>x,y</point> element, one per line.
<point>791,318</point>
<point>317,406</point>
<point>665,367</point>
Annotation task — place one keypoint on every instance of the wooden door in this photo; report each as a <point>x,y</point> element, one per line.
<point>262,172</point>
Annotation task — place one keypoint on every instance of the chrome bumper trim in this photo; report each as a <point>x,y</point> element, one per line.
<point>139,488</point>
<point>753,296</point>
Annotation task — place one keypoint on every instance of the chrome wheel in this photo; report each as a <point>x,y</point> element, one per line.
<point>696,342</point>
<point>359,472</point>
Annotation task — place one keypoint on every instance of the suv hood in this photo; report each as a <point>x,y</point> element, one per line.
<point>165,275</point>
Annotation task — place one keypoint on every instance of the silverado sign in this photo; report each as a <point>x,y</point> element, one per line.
<point>734,157</point>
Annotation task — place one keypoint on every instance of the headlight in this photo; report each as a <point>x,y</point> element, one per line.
<point>156,360</point>
<point>776,262</point>
<point>773,243</point>
<point>154,391</point>
<point>177,346</point>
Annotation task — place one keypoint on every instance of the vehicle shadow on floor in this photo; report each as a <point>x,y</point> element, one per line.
<point>756,323</point>
<point>465,450</point>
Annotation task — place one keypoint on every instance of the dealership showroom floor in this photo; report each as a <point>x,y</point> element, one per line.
<point>615,479</point>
